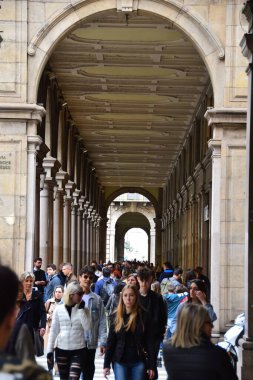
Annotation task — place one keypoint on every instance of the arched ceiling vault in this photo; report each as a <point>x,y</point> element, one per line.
<point>132,85</point>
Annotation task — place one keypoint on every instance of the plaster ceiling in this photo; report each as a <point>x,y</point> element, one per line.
<point>132,87</point>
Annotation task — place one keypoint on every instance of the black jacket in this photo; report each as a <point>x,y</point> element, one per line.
<point>204,362</point>
<point>143,337</point>
<point>33,312</point>
<point>156,308</point>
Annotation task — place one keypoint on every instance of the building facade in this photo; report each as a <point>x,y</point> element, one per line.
<point>100,98</point>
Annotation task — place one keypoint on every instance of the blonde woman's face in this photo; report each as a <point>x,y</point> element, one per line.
<point>129,298</point>
<point>28,283</point>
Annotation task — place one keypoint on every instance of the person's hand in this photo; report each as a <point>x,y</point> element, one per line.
<point>42,331</point>
<point>201,297</point>
<point>106,372</point>
<point>151,374</point>
<point>102,350</point>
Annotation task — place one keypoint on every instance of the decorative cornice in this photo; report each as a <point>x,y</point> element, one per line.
<point>226,117</point>
<point>17,111</point>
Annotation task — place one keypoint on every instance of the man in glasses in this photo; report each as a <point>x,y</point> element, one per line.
<point>97,335</point>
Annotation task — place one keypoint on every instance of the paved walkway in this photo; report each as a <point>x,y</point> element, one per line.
<point>99,369</point>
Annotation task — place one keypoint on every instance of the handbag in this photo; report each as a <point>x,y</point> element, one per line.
<point>38,343</point>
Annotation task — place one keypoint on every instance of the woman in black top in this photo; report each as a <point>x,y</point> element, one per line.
<point>32,310</point>
<point>190,354</point>
<point>130,344</point>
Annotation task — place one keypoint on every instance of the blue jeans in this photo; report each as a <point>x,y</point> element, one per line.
<point>130,371</point>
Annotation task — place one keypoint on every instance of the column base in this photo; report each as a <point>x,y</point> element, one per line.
<point>245,360</point>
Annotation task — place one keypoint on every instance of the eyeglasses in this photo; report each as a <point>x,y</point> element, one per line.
<point>85,276</point>
<point>78,293</point>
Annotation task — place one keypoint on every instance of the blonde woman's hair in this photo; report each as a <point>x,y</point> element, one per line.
<point>26,275</point>
<point>72,288</point>
<point>190,322</point>
<point>119,320</point>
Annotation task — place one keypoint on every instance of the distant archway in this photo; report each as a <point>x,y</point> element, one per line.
<point>124,215</point>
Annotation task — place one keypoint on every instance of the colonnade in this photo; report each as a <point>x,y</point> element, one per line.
<point>65,209</point>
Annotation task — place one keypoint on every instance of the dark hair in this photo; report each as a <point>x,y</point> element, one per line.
<point>118,288</point>
<point>86,270</point>
<point>8,293</point>
<point>201,286</point>
<point>53,266</point>
<point>106,272</point>
<point>37,259</point>
<point>168,265</point>
<point>178,271</point>
<point>144,273</point>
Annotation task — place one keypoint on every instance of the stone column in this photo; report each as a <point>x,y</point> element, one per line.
<point>246,351</point>
<point>152,241</point>
<point>69,187</point>
<point>227,212</point>
<point>88,236</point>
<point>158,227</point>
<point>61,178</point>
<point>33,146</point>
<point>73,240</point>
<point>84,235</point>
<point>50,165</point>
<point>102,238</point>
<point>215,145</point>
<point>79,234</point>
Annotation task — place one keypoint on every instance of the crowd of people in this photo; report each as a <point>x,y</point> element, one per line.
<point>128,310</point>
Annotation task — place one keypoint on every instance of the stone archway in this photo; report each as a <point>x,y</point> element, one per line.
<point>63,21</point>
<point>146,212</point>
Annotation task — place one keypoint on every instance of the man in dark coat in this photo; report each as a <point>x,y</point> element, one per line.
<point>154,305</point>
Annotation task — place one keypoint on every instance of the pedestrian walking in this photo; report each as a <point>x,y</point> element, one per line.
<point>130,343</point>
<point>69,323</point>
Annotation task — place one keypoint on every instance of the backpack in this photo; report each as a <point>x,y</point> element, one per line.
<point>164,285</point>
<point>107,290</point>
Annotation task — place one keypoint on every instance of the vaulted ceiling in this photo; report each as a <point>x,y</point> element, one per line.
<point>132,84</point>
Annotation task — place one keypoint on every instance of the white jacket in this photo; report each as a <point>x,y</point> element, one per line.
<point>67,332</point>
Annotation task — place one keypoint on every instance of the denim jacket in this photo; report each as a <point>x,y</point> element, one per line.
<point>98,331</point>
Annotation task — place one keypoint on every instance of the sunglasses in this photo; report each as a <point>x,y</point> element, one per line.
<point>85,276</point>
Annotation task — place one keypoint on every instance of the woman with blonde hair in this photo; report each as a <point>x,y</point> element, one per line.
<point>69,323</point>
<point>130,345</point>
<point>32,311</point>
<point>190,354</point>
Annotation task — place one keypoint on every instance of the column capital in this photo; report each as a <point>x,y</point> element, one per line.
<point>81,203</point>
<point>34,143</point>
<point>226,117</point>
<point>76,195</point>
<point>51,166</point>
<point>69,188</point>
<point>61,178</point>
<point>215,146</point>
